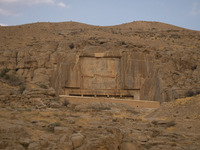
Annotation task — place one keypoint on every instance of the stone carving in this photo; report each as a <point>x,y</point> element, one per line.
<point>143,60</point>
<point>122,74</point>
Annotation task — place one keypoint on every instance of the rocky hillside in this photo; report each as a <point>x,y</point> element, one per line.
<point>30,54</point>
<point>99,126</point>
<point>36,58</point>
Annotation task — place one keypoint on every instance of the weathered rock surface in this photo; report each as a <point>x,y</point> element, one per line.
<point>129,146</point>
<point>62,130</point>
<point>77,140</point>
<point>174,126</point>
<point>140,60</point>
<point>144,60</point>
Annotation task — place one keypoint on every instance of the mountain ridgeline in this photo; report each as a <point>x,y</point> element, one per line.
<point>146,60</point>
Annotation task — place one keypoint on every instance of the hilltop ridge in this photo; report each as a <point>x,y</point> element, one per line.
<point>27,49</point>
<point>139,60</point>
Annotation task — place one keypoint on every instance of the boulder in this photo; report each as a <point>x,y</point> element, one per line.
<point>77,140</point>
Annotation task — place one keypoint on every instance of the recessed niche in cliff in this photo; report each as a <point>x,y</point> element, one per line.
<point>119,74</point>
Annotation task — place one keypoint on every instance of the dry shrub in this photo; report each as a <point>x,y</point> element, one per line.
<point>65,102</point>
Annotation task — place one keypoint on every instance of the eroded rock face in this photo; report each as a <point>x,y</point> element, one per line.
<point>112,73</point>
<point>144,60</point>
<point>125,73</point>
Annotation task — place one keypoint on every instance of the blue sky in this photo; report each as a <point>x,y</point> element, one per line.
<point>184,13</point>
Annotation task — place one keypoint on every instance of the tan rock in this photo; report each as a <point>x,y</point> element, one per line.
<point>67,146</point>
<point>130,146</point>
<point>77,140</point>
<point>62,130</point>
<point>33,146</point>
<point>150,62</point>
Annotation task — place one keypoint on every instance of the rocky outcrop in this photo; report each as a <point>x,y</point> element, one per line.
<point>96,126</point>
<point>145,60</point>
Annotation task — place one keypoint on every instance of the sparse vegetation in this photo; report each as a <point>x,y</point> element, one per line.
<point>100,108</point>
<point>57,98</point>
<point>71,46</point>
<point>10,78</point>
<point>56,115</point>
<point>22,88</point>
<point>123,43</point>
<point>43,86</point>
<point>190,93</point>
<point>170,123</point>
<point>194,67</point>
<point>65,102</point>
<point>198,92</point>
<point>4,72</point>
<point>148,58</point>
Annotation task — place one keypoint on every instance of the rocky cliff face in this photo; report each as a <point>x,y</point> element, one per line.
<point>154,61</point>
